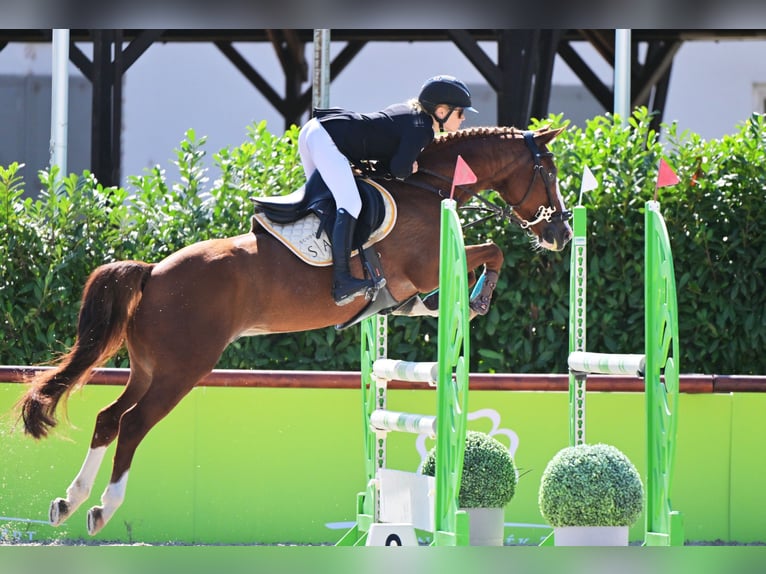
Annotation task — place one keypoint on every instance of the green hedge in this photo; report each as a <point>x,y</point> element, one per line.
<point>713,218</point>
<point>48,245</point>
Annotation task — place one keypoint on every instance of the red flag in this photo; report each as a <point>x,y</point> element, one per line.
<point>463,175</point>
<point>666,176</point>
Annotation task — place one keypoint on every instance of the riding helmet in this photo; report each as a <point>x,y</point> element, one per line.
<point>445,90</point>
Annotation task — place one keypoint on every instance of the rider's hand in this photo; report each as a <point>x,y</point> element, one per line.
<point>414,166</point>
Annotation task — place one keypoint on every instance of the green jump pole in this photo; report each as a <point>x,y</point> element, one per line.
<point>664,527</point>
<point>451,524</point>
<point>577,322</point>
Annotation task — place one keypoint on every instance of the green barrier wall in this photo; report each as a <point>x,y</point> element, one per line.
<point>245,466</point>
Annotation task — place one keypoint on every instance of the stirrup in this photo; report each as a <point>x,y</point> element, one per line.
<point>344,298</point>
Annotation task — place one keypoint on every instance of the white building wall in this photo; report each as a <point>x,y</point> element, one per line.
<point>177,86</point>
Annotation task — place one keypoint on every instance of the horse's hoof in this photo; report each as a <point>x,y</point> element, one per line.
<point>58,512</point>
<point>480,305</point>
<point>431,301</point>
<point>95,520</point>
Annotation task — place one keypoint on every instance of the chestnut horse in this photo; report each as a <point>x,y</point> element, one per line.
<point>177,316</point>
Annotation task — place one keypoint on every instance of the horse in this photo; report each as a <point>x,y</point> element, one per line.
<point>177,316</point>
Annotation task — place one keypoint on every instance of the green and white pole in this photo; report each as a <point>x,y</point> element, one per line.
<point>577,322</point>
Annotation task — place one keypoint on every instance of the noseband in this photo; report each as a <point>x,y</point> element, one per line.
<point>544,213</point>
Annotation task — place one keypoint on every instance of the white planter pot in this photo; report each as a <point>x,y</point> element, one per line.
<point>590,535</point>
<point>487,526</point>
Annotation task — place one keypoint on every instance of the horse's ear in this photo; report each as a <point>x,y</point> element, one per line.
<point>546,135</point>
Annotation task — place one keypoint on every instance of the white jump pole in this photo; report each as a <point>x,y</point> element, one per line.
<point>622,75</point>
<point>60,101</point>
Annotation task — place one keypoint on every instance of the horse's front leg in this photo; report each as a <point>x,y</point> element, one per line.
<point>489,255</point>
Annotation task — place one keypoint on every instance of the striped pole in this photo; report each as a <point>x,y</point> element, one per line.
<point>577,322</point>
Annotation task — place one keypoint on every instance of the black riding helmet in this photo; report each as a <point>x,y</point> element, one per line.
<point>446,90</point>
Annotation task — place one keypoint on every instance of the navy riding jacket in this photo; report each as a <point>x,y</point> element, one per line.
<point>394,136</point>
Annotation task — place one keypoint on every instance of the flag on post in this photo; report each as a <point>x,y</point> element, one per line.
<point>463,175</point>
<point>666,175</point>
<point>588,182</point>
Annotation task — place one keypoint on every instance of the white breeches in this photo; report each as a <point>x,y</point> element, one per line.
<point>319,152</point>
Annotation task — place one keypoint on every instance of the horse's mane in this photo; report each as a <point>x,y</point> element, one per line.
<point>442,143</point>
<point>476,131</point>
<point>513,132</point>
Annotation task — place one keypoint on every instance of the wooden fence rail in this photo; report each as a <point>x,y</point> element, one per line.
<point>692,383</point>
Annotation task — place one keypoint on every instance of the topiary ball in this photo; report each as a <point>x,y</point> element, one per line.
<point>489,474</point>
<point>590,485</point>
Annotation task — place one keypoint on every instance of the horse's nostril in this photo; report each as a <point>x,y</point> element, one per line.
<point>558,235</point>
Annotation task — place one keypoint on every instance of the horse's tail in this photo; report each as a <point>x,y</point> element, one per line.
<point>109,299</point>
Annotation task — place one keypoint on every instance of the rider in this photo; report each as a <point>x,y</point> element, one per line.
<point>393,137</point>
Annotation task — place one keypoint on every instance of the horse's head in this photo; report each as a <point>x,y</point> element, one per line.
<point>518,166</point>
<point>540,208</point>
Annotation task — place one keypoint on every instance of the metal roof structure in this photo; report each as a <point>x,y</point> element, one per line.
<point>521,77</point>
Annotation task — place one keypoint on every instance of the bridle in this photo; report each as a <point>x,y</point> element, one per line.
<point>509,212</point>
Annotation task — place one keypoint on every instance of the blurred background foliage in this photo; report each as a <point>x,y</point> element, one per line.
<point>49,245</point>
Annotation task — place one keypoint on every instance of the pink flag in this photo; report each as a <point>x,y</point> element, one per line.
<point>463,175</point>
<point>666,176</point>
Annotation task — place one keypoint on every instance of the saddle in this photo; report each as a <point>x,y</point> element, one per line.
<point>303,222</point>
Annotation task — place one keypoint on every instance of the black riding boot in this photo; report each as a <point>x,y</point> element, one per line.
<point>345,287</point>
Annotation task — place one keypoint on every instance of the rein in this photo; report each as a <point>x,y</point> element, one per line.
<point>505,212</point>
<point>508,211</point>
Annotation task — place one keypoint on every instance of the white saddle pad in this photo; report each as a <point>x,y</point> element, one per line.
<point>300,236</point>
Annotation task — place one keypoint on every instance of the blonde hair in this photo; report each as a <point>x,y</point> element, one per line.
<point>415,104</point>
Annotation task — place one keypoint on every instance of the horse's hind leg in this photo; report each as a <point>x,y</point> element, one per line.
<point>79,490</point>
<point>107,423</point>
<point>164,394</point>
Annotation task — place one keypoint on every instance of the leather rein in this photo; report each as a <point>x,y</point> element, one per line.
<point>507,211</point>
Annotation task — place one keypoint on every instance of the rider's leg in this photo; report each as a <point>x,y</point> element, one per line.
<point>345,287</point>
<point>319,151</point>
<point>304,150</point>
